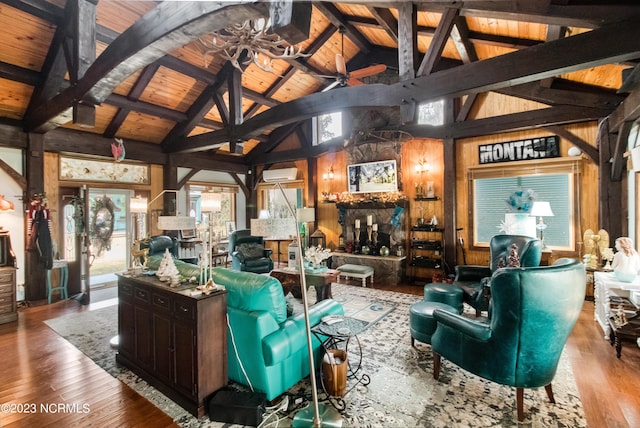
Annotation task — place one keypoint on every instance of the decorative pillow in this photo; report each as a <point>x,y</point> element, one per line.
<point>251,250</point>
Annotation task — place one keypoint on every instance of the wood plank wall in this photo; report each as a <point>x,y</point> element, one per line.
<point>588,184</point>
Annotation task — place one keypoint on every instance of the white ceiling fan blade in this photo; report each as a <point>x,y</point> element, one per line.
<point>331,86</point>
<point>341,66</point>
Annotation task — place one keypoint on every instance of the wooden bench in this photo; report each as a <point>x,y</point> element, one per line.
<point>356,271</point>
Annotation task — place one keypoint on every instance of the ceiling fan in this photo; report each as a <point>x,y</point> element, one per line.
<point>346,78</point>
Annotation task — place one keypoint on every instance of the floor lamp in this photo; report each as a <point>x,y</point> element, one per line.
<point>320,414</point>
<point>210,203</point>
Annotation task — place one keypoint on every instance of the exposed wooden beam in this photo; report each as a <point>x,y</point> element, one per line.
<point>187,177</point>
<point>545,12</point>
<point>134,95</point>
<point>628,110</point>
<point>438,42</point>
<point>146,108</point>
<point>587,148</point>
<point>508,123</point>
<point>618,162</point>
<point>15,175</point>
<point>386,20</point>
<point>535,92</point>
<point>20,74</point>
<point>407,53</point>
<point>474,36</point>
<point>460,37</point>
<point>337,19</point>
<point>172,25</point>
<point>589,49</point>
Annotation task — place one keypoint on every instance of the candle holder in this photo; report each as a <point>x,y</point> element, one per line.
<point>369,231</point>
<point>356,240</point>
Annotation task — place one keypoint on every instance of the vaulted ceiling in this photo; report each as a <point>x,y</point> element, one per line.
<point>136,70</point>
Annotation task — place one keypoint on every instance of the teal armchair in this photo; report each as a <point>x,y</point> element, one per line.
<point>533,311</point>
<point>262,340</point>
<point>248,252</point>
<point>474,279</point>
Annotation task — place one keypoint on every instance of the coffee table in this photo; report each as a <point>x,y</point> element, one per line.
<point>321,281</point>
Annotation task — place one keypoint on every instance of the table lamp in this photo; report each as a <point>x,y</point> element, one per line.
<point>541,209</point>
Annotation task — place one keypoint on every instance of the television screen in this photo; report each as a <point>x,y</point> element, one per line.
<point>371,177</point>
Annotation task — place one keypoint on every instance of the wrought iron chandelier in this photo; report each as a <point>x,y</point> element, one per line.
<point>253,36</point>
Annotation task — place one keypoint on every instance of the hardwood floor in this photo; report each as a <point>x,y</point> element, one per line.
<point>42,369</point>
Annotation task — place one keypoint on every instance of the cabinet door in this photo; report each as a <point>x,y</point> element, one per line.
<point>144,339</point>
<point>162,348</point>
<point>185,348</point>
<point>126,328</point>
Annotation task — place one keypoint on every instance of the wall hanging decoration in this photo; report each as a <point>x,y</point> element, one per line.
<point>102,222</point>
<point>117,149</point>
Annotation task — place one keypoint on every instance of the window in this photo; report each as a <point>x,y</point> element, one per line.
<point>227,213</point>
<point>327,127</point>
<point>431,113</point>
<point>553,182</point>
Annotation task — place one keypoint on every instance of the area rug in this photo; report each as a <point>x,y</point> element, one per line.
<point>402,391</point>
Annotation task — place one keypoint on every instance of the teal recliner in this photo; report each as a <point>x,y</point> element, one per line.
<point>474,279</point>
<point>533,310</point>
<point>270,347</point>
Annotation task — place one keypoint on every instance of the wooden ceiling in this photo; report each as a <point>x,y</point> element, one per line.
<point>136,69</point>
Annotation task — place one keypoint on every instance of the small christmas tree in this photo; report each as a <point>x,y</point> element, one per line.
<point>514,260</point>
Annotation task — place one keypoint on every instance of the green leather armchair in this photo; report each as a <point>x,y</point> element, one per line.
<point>474,279</point>
<point>533,311</point>
<point>262,340</point>
<point>248,252</point>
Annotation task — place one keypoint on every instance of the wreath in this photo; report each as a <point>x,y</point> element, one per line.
<point>102,223</point>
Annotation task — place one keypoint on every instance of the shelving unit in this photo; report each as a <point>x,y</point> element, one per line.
<point>426,248</point>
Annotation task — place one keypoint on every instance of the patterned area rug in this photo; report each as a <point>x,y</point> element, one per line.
<point>402,391</point>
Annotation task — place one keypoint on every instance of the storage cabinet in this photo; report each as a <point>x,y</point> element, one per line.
<point>8,306</point>
<point>176,342</point>
<point>426,248</point>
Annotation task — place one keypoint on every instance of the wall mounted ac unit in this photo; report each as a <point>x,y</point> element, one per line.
<point>283,174</point>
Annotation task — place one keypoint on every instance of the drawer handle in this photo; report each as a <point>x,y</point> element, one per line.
<point>161,301</point>
<point>183,309</point>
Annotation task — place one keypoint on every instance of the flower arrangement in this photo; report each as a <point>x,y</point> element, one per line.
<point>521,201</point>
<point>315,255</point>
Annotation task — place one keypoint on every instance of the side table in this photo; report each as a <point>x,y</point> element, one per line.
<point>340,335</point>
<point>628,331</point>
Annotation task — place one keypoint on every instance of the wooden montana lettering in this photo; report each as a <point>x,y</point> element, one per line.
<point>534,148</point>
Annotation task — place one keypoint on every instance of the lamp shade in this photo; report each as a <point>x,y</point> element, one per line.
<point>138,205</point>
<point>177,222</point>
<point>210,202</point>
<point>306,215</point>
<point>541,209</point>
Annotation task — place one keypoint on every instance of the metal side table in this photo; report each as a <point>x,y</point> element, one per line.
<point>343,335</point>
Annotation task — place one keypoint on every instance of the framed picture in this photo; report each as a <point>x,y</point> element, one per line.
<point>230,227</point>
<point>188,234</point>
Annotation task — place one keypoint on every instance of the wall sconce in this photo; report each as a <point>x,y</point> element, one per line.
<point>329,174</point>
<point>422,166</point>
